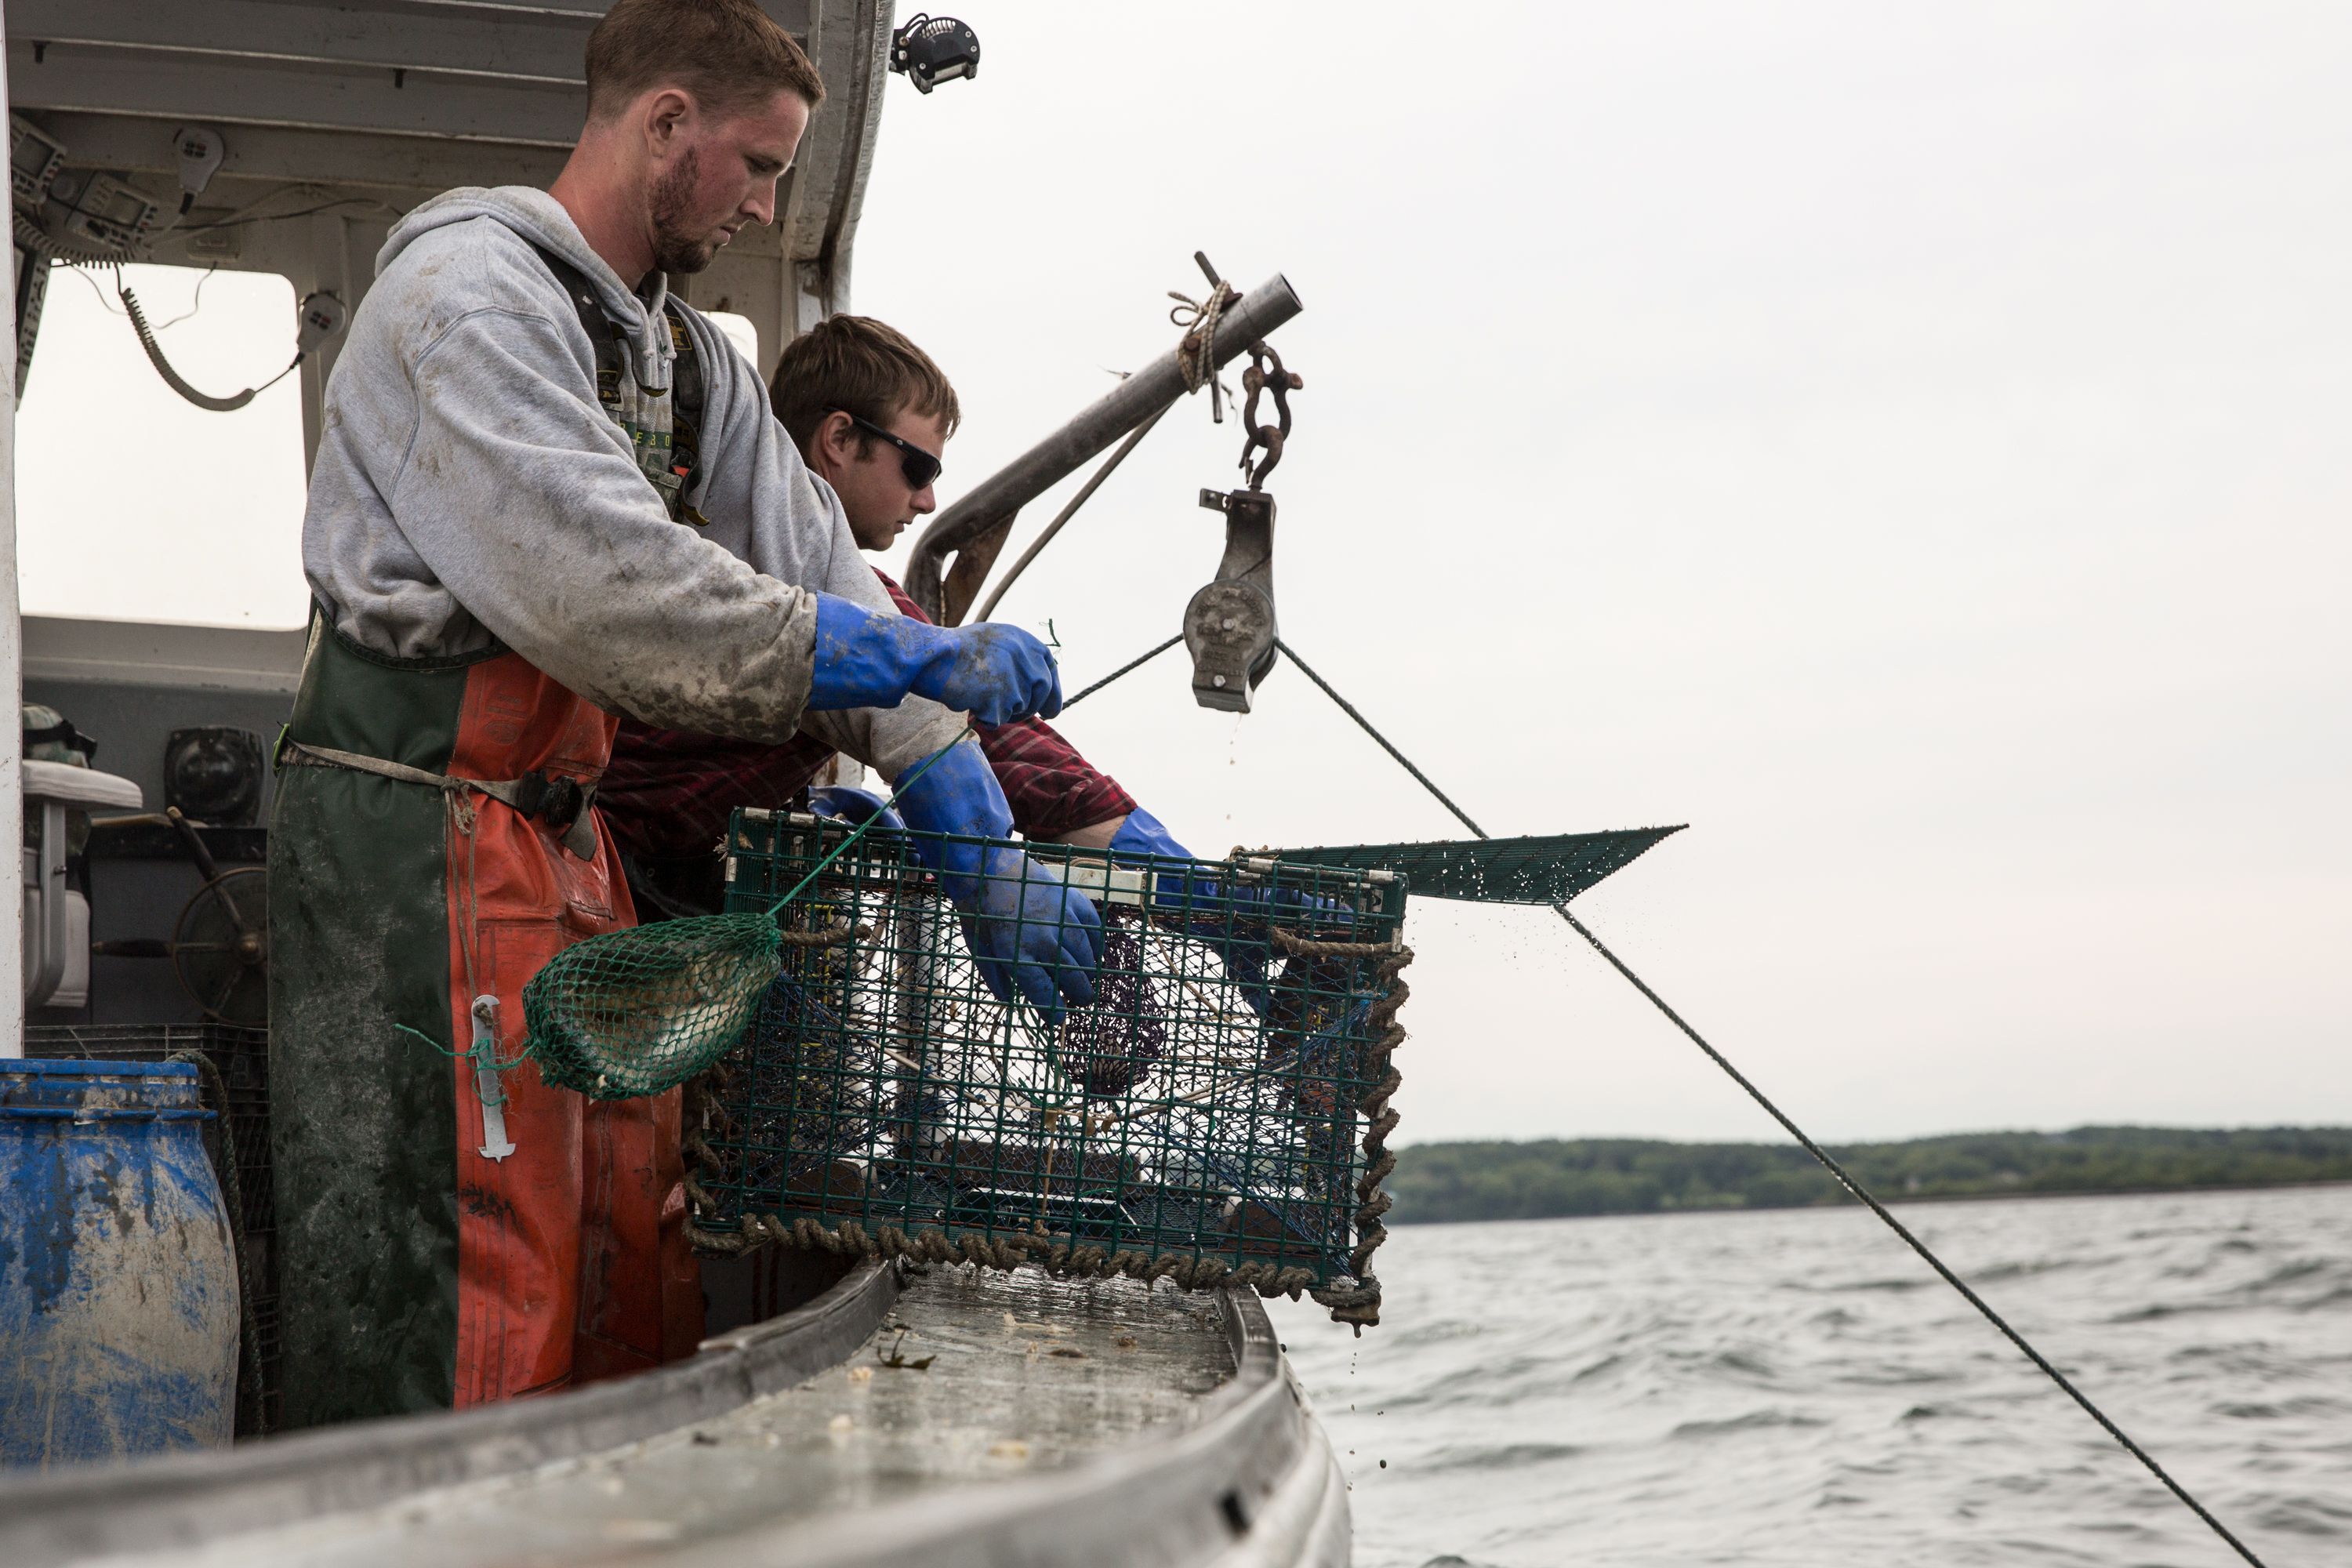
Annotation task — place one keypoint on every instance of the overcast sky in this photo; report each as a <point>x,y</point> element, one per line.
<point>1905,444</point>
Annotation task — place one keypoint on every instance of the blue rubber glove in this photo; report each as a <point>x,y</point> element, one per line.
<point>1183,892</point>
<point>1142,834</point>
<point>1246,956</point>
<point>1233,921</point>
<point>1027,932</point>
<point>1174,891</point>
<point>848,803</point>
<point>867,659</point>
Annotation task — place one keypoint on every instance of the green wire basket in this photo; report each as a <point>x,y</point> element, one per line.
<point>1217,1114</point>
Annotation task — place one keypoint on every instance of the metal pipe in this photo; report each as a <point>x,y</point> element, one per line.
<point>1085,492</point>
<point>976,526</point>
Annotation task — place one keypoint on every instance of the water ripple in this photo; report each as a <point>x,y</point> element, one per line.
<point>1509,1456</point>
<point>1753,1421</point>
<point>1792,1389</point>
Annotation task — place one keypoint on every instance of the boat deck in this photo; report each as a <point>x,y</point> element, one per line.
<point>1026,1373</point>
<point>943,1417</point>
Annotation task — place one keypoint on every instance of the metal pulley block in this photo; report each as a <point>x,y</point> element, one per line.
<point>1229,626</point>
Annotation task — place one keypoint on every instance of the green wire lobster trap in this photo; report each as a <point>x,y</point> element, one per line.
<point>1218,1113</point>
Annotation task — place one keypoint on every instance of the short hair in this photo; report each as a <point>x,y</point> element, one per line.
<point>863,367</point>
<point>729,54</point>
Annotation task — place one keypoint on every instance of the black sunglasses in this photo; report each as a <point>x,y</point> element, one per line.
<point>921,467</point>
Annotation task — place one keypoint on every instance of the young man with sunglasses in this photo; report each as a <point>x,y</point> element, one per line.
<point>872,415</point>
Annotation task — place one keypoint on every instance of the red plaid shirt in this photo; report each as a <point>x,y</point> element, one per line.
<point>667,793</point>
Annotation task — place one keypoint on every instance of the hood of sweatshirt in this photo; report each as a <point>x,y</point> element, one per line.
<point>540,219</point>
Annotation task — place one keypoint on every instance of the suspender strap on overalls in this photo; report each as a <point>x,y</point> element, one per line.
<point>668,450</point>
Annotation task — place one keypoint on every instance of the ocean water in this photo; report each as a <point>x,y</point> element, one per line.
<point>1796,1388</point>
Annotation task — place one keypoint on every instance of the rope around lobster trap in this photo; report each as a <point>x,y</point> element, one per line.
<point>1351,1294</point>
<point>1350,1290</point>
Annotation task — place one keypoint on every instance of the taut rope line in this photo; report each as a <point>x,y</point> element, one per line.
<point>1815,1150</point>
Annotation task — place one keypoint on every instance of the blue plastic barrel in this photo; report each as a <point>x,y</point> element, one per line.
<point>117,1294</point>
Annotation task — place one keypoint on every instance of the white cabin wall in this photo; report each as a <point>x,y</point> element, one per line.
<point>368,107</point>
<point>12,661</point>
<point>380,104</point>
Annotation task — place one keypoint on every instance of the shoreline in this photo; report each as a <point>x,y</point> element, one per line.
<point>1898,1200</point>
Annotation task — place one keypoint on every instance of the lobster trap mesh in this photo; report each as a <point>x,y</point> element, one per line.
<point>641,1011</point>
<point>1217,1114</point>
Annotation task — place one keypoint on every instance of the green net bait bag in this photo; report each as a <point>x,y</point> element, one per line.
<point>641,1011</point>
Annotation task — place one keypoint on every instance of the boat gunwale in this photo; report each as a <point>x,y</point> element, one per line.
<point>1253,1480</point>
<point>178,1499</point>
<point>1252,1454</point>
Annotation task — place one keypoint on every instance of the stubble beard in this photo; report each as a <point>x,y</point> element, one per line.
<point>677,250</point>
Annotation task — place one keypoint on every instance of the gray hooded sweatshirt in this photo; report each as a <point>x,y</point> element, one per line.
<point>470,492</point>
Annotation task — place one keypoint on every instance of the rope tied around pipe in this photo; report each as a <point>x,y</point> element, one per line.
<point>1196,355</point>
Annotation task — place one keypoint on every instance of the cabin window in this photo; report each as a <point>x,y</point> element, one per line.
<point>739,331</point>
<point>134,505</point>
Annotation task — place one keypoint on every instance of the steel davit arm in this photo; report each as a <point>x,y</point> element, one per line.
<point>974,529</point>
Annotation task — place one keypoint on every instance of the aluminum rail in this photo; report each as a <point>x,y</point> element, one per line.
<point>974,528</point>
<point>1254,1483</point>
<point>1247,1480</point>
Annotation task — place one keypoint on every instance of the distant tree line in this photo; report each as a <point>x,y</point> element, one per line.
<point>1440,1182</point>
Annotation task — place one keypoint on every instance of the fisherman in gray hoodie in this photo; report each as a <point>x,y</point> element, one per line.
<point>513,540</point>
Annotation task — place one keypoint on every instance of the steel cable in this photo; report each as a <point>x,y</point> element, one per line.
<point>1815,1150</point>
<point>1132,665</point>
<point>1085,492</point>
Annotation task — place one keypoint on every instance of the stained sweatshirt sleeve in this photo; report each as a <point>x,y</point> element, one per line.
<point>763,502</point>
<point>470,491</point>
<point>518,491</point>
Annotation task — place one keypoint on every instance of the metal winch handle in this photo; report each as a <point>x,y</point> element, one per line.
<point>973,530</point>
<point>1229,626</point>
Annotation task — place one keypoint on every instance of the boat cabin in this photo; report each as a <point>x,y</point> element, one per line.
<point>266,147</point>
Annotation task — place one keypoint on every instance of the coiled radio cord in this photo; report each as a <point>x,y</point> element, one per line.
<point>171,377</point>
